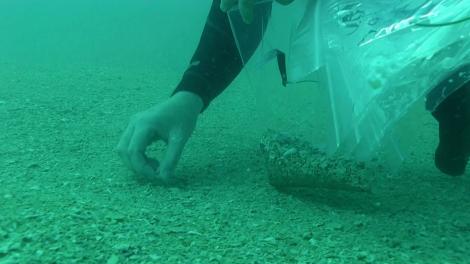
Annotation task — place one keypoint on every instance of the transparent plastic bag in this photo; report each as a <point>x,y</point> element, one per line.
<point>354,68</point>
<point>384,57</point>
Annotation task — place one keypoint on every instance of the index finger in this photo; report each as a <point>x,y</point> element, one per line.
<point>123,145</point>
<point>139,162</point>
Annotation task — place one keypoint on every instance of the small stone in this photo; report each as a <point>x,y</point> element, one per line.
<point>122,247</point>
<point>313,242</point>
<point>35,188</point>
<point>28,238</point>
<point>359,223</point>
<point>289,152</point>
<point>4,250</point>
<point>338,227</point>
<point>115,217</point>
<point>307,235</point>
<point>33,166</point>
<point>193,232</point>
<point>414,247</point>
<point>271,240</point>
<point>14,246</point>
<point>114,259</point>
<point>365,257</point>
<point>11,161</point>
<point>394,243</point>
<point>54,248</point>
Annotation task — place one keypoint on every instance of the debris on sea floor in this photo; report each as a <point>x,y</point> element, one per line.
<point>293,163</point>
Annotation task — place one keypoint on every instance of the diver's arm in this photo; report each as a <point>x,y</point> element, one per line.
<point>214,66</point>
<point>216,61</point>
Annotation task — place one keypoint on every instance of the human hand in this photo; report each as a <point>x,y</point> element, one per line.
<point>173,122</point>
<point>246,7</point>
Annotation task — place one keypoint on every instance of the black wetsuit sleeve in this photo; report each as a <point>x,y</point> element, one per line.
<point>216,61</point>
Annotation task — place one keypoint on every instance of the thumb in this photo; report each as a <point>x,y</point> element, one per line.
<point>176,143</point>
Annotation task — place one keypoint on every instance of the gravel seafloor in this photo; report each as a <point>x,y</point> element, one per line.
<point>66,198</point>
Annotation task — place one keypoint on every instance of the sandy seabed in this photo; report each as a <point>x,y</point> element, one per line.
<point>66,198</point>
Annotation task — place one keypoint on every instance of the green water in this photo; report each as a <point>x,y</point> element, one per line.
<point>136,33</point>
<point>72,73</point>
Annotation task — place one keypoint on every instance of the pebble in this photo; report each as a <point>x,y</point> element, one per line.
<point>289,152</point>
<point>394,243</point>
<point>365,257</point>
<point>307,235</point>
<point>361,255</point>
<point>4,250</point>
<point>33,166</point>
<point>359,223</point>
<point>123,247</point>
<point>27,238</point>
<point>193,232</point>
<point>313,242</point>
<point>35,188</point>
<point>114,259</point>
<point>271,240</point>
<point>11,161</point>
<point>338,227</point>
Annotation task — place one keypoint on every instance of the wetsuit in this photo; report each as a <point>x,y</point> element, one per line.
<point>216,61</point>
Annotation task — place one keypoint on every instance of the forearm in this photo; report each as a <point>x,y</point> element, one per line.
<point>216,61</point>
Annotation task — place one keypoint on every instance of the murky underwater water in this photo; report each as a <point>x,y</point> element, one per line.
<point>71,75</point>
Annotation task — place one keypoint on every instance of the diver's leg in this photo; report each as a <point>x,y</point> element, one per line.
<point>453,115</point>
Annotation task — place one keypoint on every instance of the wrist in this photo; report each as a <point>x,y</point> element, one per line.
<point>189,99</point>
